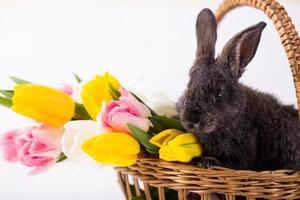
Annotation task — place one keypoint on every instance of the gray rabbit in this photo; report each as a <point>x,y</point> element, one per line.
<point>241,128</point>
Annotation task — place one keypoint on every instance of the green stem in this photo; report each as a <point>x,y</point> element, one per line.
<point>5,102</point>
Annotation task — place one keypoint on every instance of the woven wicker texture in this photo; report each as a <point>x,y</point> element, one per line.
<point>185,178</point>
<point>284,184</point>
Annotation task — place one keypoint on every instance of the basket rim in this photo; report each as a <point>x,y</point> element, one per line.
<point>146,158</point>
<point>152,171</point>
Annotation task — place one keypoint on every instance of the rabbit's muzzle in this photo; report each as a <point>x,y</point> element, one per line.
<point>199,123</point>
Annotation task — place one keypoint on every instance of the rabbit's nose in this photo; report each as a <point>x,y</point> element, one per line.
<point>192,117</point>
<point>189,125</point>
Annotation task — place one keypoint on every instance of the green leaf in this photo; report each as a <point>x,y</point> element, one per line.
<point>168,122</point>
<point>78,79</point>
<point>80,112</point>
<point>140,100</point>
<point>157,127</point>
<point>115,94</point>
<point>153,151</point>
<point>18,81</point>
<point>5,102</point>
<point>61,157</point>
<point>7,93</point>
<point>152,131</point>
<point>143,137</point>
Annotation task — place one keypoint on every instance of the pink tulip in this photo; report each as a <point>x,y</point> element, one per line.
<point>37,147</point>
<point>127,110</point>
<point>9,146</point>
<point>68,89</point>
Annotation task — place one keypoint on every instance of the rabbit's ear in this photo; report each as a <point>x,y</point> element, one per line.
<point>206,28</point>
<point>240,50</point>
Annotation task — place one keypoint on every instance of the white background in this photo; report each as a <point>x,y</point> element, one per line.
<point>148,45</point>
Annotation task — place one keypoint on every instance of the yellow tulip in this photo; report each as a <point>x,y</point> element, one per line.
<point>44,104</point>
<point>176,145</point>
<point>115,148</point>
<point>164,137</point>
<point>96,91</point>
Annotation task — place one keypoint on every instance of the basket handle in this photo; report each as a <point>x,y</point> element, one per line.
<point>284,26</point>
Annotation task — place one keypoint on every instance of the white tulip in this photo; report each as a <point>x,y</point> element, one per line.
<point>161,104</point>
<point>76,133</point>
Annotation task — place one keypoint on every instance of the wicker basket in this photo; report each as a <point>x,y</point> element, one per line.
<point>151,172</point>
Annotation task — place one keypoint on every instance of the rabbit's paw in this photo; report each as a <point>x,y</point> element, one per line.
<point>192,196</point>
<point>213,196</point>
<point>206,162</point>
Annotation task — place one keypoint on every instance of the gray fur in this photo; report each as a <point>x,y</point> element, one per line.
<point>241,127</point>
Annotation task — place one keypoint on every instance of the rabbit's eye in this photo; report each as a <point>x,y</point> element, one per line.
<point>218,96</point>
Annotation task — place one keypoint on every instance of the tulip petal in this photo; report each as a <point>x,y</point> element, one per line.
<point>117,114</point>
<point>180,146</point>
<point>36,147</point>
<point>68,89</point>
<point>76,132</point>
<point>39,146</point>
<point>9,146</point>
<point>116,148</point>
<point>77,153</point>
<point>142,109</point>
<point>45,132</point>
<point>96,91</point>
<point>167,153</point>
<point>162,104</point>
<point>162,138</point>
<point>88,125</point>
<point>43,104</point>
<point>186,146</point>
<point>39,169</point>
<point>93,93</point>
<point>67,142</point>
<point>120,120</point>
<point>32,161</point>
<point>120,161</point>
<point>88,146</point>
<point>110,79</point>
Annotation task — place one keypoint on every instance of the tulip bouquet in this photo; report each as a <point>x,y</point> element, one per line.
<point>108,125</point>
